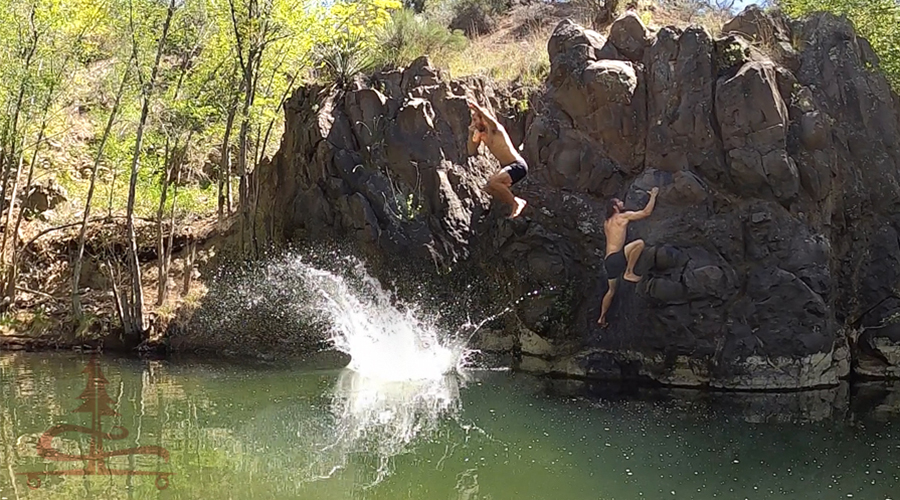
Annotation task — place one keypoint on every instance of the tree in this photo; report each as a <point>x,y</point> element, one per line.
<point>79,257</point>
<point>875,20</point>
<point>51,34</point>
<point>135,302</point>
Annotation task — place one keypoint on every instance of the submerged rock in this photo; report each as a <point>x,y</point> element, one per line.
<point>772,258</point>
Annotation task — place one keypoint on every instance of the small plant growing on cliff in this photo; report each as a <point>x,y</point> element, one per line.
<point>732,53</point>
<point>520,105</point>
<point>342,59</point>
<point>408,205</point>
<point>410,208</point>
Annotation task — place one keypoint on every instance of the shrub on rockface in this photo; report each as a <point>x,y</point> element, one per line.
<point>878,21</point>
<point>409,35</point>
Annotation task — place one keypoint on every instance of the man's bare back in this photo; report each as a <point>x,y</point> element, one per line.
<point>486,129</point>
<point>500,145</point>
<point>615,228</point>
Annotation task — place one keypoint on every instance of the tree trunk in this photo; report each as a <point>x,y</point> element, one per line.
<point>173,160</point>
<point>189,266</point>
<point>265,143</point>
<point>167,254</point>
<point>13,272</point>
<point>12,203</point>
<point>76,273</point>
<point>137,326</point>
<point>225,165</point>
<point>168,161</point>
<point>165,249</point>
<point>255,46</point>
<point>242,169</point>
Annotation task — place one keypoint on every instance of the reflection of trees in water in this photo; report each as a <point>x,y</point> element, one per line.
<point>37,391</point>
<point>219,426</point>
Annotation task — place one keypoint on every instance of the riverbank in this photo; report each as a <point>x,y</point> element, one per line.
<point>41,316</point>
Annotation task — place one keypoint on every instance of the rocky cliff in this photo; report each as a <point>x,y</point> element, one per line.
<point>773,257</point>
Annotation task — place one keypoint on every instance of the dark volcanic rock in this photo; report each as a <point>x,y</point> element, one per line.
<point>630,36</point>
<point>773,256</point>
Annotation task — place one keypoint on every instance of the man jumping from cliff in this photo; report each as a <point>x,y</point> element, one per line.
<point>621,258</point>
<point>485,128</point>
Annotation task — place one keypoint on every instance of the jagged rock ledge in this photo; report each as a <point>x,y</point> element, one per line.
<point>773,258</point>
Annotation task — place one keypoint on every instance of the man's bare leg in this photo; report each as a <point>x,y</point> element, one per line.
<point>607,301</point>
<point>632,254</point>
<point>498,187</point>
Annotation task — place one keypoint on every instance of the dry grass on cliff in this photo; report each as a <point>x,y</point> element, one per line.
<point>656,15</point>
<point>517,49</point>
<point>524,60</point>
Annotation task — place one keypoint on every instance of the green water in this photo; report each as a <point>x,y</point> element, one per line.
<point>241,432</point>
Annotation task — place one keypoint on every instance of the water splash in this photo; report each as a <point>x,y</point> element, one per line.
<point>385,340</point>
<point>375,420</point>
<point>405,373</point>
<point>403,379</point>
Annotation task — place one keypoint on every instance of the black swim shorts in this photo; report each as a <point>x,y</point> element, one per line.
<point>517,170</point>
<point>615,264</point>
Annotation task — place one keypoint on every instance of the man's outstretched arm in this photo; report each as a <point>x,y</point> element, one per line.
<point>486,117</point>
<point>647,210</point>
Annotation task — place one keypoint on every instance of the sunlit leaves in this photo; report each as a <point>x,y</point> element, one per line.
<point>84,46</point>
<point>876,20</point>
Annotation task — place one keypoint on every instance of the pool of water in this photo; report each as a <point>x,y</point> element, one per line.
<point>306,432</point>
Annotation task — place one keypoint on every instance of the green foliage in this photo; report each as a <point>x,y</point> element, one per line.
<point>875,20</point>
<point>65,59</point>
<point>343,58</point>
<point>408,36</point>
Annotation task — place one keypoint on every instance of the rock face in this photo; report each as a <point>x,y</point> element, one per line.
<point>773,256</point>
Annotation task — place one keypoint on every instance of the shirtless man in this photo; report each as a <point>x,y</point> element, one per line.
<point>484,128</point>
<point>621,258</point>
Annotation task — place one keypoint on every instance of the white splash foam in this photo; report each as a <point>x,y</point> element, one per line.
<point>384,341</point>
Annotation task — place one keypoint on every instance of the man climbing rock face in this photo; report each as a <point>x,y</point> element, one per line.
<point>485,128</point>
<point>621,258</point>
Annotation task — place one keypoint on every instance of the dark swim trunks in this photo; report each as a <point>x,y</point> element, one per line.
<point>517,170</point>
<point>615,265</point>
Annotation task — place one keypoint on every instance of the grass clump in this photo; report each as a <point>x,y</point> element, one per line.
<point>477,17</point>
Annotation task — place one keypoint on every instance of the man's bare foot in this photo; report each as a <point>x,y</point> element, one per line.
<point>520,205</point>
<point>602,322</point>
<point>634,278</point>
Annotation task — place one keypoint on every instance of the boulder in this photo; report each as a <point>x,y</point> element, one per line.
<point>629,35</point>
<point>769,31</point>
<point>43,197</point>
<point>753,118</point>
